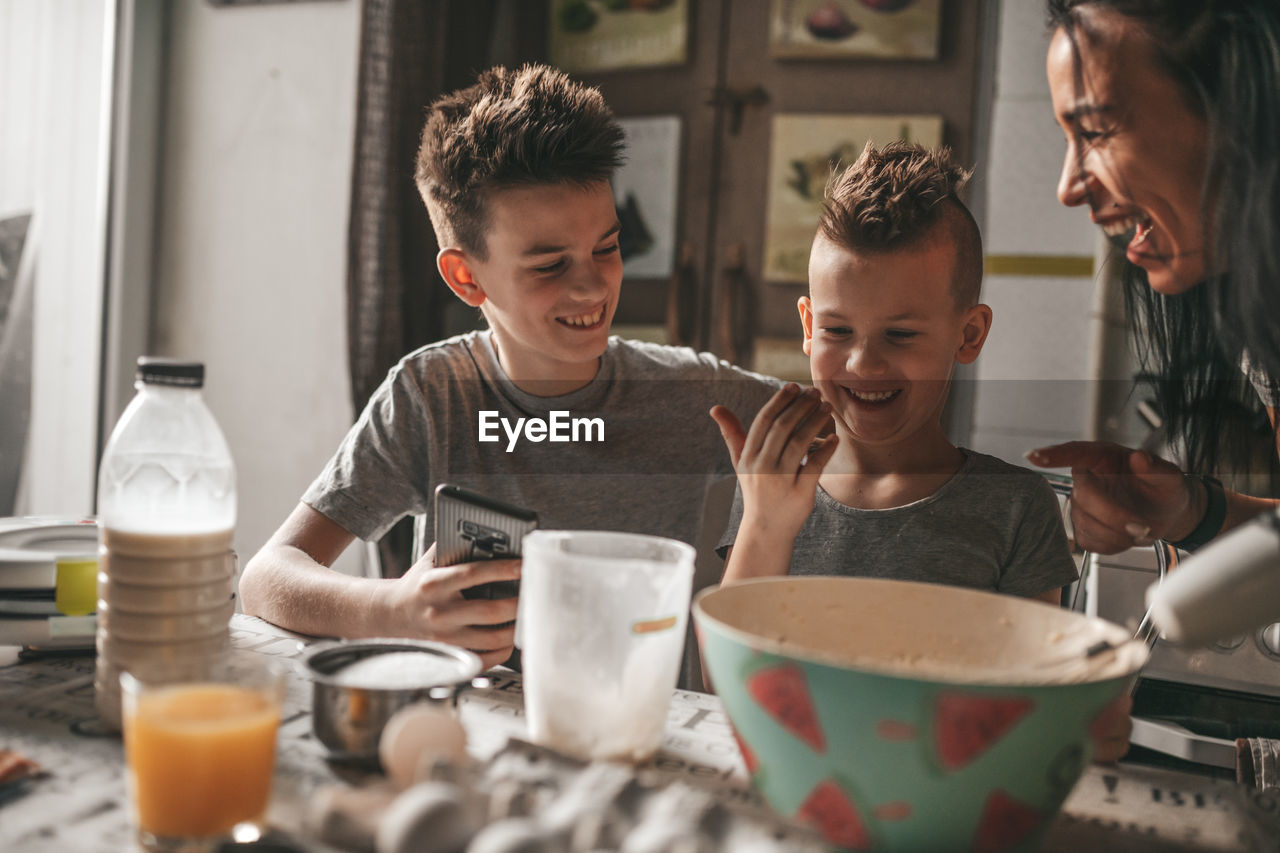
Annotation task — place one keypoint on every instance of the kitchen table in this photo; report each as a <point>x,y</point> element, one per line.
<point>79,802</point>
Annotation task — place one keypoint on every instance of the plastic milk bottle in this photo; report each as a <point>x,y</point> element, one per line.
<point>167,509</point>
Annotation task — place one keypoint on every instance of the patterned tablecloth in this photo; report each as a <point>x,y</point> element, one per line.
<point>79,803</point>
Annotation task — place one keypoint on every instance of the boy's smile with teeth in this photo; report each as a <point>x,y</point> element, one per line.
<point>873,396</point>
<point>584,321</point>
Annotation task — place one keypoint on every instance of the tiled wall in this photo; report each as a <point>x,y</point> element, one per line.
<point>1032,378</point>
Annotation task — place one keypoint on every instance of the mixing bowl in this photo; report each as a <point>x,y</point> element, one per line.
<point>899,716</point>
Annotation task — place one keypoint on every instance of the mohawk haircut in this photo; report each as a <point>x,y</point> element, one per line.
<point>525,127</point>
<point>900,197</point>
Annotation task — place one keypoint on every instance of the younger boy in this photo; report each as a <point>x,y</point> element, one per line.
<point>892,308</point>
<point>515,174</point>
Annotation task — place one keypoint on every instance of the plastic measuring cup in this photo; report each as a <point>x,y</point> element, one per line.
<point>601,627</point>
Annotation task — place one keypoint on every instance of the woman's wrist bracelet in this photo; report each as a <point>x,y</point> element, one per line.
<point>1215,514</point>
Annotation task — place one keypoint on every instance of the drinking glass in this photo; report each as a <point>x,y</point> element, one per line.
<point>200,749</point>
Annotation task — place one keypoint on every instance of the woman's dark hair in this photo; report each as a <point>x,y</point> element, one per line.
<point>1225,56</point>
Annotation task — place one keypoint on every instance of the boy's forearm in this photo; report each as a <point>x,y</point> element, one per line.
<point>286,587</point>
<point>758,552</point>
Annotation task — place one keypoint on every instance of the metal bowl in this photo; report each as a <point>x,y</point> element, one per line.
<point>348,714</point>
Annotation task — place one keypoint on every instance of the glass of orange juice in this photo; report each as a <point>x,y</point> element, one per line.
<point>200,746</point>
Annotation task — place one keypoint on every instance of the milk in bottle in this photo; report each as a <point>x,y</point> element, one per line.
<point>167,509</point>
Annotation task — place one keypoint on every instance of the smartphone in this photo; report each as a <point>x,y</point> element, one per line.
<point>471,526</point>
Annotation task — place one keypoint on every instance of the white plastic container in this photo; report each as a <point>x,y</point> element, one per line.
<point>167,509</point>
<point>601,626</point>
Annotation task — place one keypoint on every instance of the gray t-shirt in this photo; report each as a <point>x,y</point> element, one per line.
<point>649,474</point>
<point>992,526</point>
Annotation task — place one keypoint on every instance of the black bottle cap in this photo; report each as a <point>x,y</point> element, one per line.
<point>170,371</point>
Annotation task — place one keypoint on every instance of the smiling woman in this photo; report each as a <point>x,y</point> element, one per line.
<point>1171,109</point>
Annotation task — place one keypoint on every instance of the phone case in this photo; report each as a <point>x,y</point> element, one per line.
<point>470,526</point>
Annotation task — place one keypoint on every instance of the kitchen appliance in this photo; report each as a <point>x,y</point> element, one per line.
<point>1229,586</point>
<point>1190,703</point>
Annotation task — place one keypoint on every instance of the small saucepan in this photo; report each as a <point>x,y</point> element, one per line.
<point>359,684</point>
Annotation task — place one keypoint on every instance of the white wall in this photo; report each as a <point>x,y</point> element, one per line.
<point>257,147</point>
<point>53,107</point>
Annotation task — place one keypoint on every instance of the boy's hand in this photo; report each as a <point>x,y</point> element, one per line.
<point>1111,731</point>
<point>1122,498</point>
<point>427,602</point>
<point>777,462</point>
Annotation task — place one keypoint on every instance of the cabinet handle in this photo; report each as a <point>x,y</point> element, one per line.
<point>682,298</point>
<point>737,101</point>
<point>735,321</point>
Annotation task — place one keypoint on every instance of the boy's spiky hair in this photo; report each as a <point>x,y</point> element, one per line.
<point>533,125</point>
<point>893,198</point>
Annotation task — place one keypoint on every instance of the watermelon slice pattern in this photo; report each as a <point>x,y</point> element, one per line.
<point>831,811</point>
<point>748,757</point>
<point>783,693</point>
<point>1004,824</point>
<point>966,725</point>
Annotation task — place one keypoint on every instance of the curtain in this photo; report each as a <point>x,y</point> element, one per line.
<point>17,324</point>
<point>394,294</point>
<point>411,51</point>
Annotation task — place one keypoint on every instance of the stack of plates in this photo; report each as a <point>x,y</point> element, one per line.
<point>48,582</point>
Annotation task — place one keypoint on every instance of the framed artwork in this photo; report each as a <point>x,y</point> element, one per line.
<point>644,190</point>
<point>602,35</point>
<point>806,149</point>
<point>843,29</point>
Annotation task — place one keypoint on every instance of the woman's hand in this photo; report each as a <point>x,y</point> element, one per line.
<point>1111,731</point>
<point>777,462</point>
<point>1122,498</point>
<point>427,602</point>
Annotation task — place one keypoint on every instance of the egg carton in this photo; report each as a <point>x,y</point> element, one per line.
<point>530,799</point>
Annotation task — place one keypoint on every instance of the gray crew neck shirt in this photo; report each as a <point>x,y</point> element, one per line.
<point>660,448</point>
<point>993,526</point>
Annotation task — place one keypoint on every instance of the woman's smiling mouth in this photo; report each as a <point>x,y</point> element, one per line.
<point>1128,232</point>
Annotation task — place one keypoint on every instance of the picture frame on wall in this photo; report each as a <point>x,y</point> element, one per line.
<point>849,29</point>
<point>587,36</point>
<point>805,150</point>
<point>645,192</point>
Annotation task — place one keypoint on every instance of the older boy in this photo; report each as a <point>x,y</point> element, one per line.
<point>892,308</point>
<point>515,174</point>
